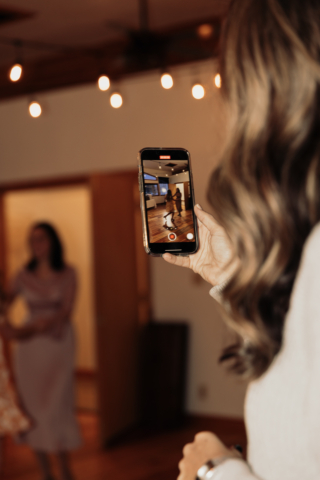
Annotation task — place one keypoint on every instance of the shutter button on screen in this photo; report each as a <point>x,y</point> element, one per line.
<point>172,236</point>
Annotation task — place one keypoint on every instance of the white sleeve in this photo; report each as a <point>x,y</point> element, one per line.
<point>234,469</point>
<point>310,318</point>
<point>216,291</point>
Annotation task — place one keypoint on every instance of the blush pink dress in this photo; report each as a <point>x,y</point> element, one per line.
<point>44,364</point>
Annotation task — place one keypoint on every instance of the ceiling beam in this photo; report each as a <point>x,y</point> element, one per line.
<point>84,65</point>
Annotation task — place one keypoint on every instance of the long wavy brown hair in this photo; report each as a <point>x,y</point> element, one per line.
<point>266,191</point>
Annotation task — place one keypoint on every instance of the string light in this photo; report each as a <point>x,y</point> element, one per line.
<point>198,91</point>
<point>35,109</point>
<point>103,83</point>
<point>166,81</point>
<point>217,80</point>
<point>15,72</point>
<point>16,69</point>
<point>205,31</point>
<point>116,100</point>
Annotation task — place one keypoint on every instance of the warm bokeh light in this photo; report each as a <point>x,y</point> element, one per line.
<point>35,109</point>
<point>166,81</point>
<point>205,30</point>
<point>198,91</point>
<point>116,100</point>
<point>15,72</point>
<point>217,80</point>
<point>104,83</point>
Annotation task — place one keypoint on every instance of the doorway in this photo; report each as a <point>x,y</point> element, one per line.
<point>100,213</point>
<point>68,208</point>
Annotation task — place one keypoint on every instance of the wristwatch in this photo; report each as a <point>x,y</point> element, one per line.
<point>207,470</point>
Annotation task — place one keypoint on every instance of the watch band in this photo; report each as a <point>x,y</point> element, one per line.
<point>206,471</point>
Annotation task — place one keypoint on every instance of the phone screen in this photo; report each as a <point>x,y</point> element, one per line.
<point>168,201</point>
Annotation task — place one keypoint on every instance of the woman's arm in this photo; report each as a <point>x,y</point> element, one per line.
<point>207,446</point>
<point>13,291</point>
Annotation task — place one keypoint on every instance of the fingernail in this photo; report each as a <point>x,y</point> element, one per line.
<point>199,206</point>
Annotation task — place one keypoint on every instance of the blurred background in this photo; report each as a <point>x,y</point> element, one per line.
<point>72,160</point>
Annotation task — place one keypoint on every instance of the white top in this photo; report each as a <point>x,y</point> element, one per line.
<point>282,408</point>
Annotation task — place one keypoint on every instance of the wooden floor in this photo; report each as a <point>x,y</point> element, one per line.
<point>156,221</point>
<point>147,458</point>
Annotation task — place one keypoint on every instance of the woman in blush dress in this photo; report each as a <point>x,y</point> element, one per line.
<point>44,360</point>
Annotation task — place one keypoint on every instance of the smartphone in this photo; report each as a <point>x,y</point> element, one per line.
<point>167,201</point>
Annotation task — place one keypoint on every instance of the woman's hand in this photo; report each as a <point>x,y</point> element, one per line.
<point>206,446</point>
<point>25,331</point>
<point>214,252</point>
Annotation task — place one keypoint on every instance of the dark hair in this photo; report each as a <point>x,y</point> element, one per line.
<point>56,254</point>
<point>266,192</point>
<point>169,194</point>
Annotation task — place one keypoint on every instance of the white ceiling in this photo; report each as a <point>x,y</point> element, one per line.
<point>154,165</point>
<point>77,23</point>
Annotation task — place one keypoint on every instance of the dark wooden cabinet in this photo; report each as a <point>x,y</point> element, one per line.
<point>163,365</point>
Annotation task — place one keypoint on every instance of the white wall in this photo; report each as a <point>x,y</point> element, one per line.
<point>80,132</point>
<point>180,177</point>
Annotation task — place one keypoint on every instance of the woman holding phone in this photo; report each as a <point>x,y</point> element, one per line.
<point>260,250</point>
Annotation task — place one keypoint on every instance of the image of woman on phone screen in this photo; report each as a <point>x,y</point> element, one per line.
<point>177,197</point>
<point>169,222</point>
<point>260,248</point>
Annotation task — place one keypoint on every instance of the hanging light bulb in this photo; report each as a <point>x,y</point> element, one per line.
<point>198,91</point>
<point>15,72</point>
<point>205,31</point>
<point>166,81</point>
<point>16,69</point>
<point>217,80</point>
<point>104,83</point>
<point>116,100</point>
<point>35,109</point>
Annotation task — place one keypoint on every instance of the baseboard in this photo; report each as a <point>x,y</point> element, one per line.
<point>217,422</point>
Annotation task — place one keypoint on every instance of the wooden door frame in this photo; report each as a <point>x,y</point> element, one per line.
<point>141,259</point>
